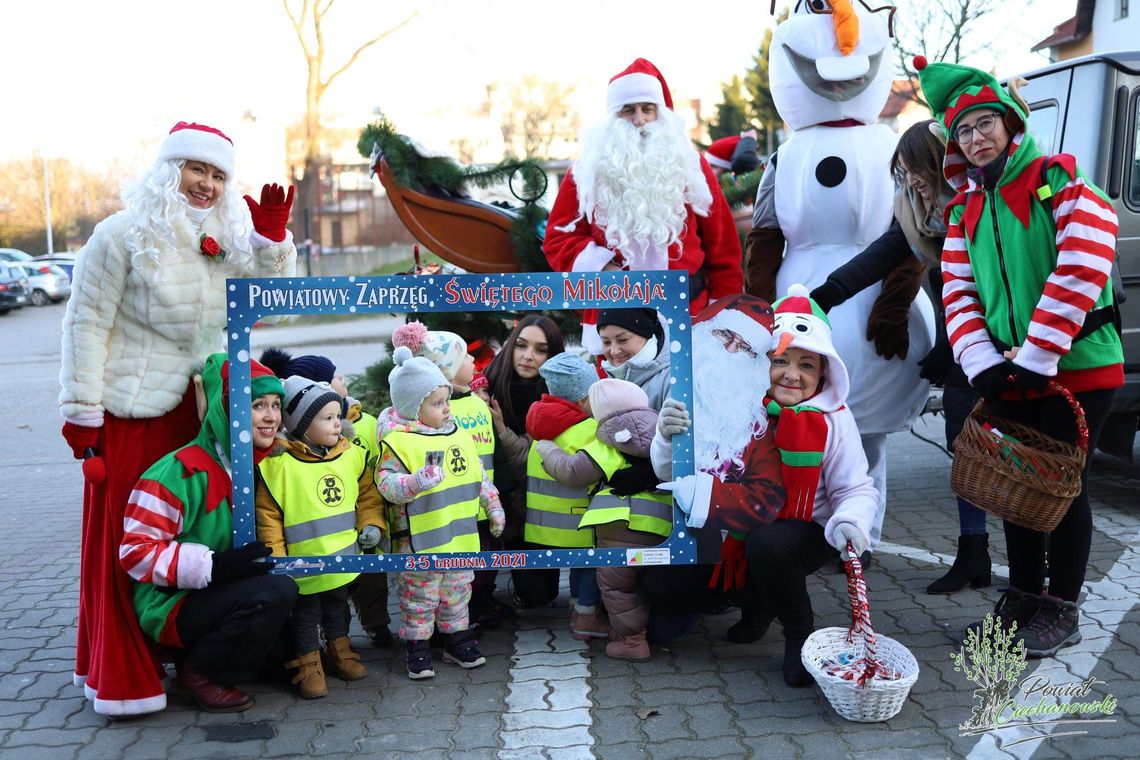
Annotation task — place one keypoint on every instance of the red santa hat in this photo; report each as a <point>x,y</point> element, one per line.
<point>197,142</point>
<point>640,82</point>
<point>748,316</point>
<point>719,154</point>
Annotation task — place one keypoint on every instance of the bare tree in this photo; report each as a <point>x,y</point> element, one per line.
<point>308,23</point>
<point>949,31</point>
<point>80,198</point>
<point>535,114</point>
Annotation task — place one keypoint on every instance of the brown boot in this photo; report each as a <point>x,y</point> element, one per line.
<point>344,662</point>
<point>310,675</point>
<point>210,695</point>
<point>633,648</point>
<point>590,625</point>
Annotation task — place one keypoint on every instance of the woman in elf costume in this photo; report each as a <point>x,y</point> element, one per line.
<point>1026,268</point>
<point>148,306</point>
<point>831,499</point>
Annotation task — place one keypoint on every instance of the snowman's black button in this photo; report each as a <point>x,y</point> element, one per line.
<point>831,171</point>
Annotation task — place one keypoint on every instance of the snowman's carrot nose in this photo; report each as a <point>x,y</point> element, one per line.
<point>786,339</point>
<point>846,25</point>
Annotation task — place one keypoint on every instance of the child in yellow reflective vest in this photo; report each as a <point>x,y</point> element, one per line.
<point>560,422</point>
<point>430,472</point>
<point>315,496</point>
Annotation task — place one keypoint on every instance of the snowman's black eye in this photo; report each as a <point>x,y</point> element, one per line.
<point>803,328</point>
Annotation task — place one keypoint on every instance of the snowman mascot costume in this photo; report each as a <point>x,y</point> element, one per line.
<point>827,193</point>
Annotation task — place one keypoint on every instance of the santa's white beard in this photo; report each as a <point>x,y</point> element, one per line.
<point>635,183</point>
<point>728,400</point>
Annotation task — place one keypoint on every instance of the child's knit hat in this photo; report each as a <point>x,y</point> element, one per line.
<point>411,381</point>
<point>304,399</point>
<point>319,369</point>
<point>444,349</point>
<point>610,396</point>
<point>568,376</point>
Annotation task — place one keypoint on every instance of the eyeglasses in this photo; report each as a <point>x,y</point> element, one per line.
<point>733,342</point>
<point>984,125</point>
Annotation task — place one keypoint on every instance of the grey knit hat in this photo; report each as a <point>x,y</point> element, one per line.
<point>304,399</point>
<point>411,381</point>
<point>568,376</point>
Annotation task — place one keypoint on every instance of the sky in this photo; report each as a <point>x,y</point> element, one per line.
<point>102,82</point>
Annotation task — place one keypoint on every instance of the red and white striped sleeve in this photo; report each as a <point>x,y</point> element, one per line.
<point>1086,244</point>
<point>149,552</point>
<point>965,317</point>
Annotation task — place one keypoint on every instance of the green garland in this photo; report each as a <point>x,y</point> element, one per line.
<point>438,174</point>
<point>740,190</point>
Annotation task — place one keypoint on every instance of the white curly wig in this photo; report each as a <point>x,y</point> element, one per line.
<point>154,202</point>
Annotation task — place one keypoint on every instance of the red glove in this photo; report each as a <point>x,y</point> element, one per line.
<point>733,564</point>
<point>272,214</point>
<point>81,438</point>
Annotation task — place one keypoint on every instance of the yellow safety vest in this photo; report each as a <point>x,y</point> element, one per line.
<point>472,414</point>
<point>441,519</point>
<point>318,500</point>
<point>553,510</point>
<point>648,511</point>
<point>365,438</point>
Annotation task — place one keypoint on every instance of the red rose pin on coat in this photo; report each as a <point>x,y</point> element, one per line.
<point>210,247</point>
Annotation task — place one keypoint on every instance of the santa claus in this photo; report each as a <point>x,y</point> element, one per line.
<point>737,485</point>
<point>640,197</point>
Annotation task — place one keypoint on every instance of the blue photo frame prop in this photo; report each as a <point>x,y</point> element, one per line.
<point>250,300</point>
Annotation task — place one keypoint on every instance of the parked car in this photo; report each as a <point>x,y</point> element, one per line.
<point>13,287</point>
<point>14,254</point>
<point>1090,107</point>
<point>65,261</point>
<point>47,283</point>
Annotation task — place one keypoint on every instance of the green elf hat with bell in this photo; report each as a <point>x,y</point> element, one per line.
<point>953,90</point>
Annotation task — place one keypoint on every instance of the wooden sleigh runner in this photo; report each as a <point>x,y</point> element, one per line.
<point>464,232</point>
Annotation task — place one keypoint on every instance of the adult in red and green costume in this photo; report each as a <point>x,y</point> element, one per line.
<point>1026,267</point>
<point>194,592</point>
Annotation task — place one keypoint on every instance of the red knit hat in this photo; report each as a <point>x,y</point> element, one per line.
<point>640,82</point>
<point>197,142</point>
<point>720,152</point>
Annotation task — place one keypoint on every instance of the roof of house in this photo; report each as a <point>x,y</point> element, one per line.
<point>1074,29</point>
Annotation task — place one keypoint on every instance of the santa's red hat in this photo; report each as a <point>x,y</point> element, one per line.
<point>197,142</point>
<point>719,154</point>
<point>640,82</point>
<point>748,316</point>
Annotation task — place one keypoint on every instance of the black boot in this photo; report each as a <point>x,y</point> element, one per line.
<point>972,565</point>
<point>798,624</point>
<point>755,618</point>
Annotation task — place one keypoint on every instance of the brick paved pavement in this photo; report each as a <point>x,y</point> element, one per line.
<point>542,694</point>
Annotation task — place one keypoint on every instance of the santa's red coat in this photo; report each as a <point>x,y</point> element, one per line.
<point>746,497</point>
<point>708,243</point>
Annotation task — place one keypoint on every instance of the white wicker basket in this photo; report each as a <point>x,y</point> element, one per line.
<point>878,700</point>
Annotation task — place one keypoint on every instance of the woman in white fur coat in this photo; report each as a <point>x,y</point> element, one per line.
<point>147,306</point>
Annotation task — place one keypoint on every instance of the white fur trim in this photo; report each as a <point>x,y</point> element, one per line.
<point>126,707</point>
<point>195,566</point>
<point>720,163</point>
<point>702,501</point>
<point>592,258</point>
<point>591,341</point>
<point>1033,357</point>
<point>634,88</point>
<point>257,240</point>
<point>92,418</point>
<point>198,145</point>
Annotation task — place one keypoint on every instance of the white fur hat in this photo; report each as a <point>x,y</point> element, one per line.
<point>640,82</point>
<point>197,142</point>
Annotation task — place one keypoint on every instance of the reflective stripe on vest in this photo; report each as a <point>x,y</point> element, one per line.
<point>553,510</point>
<point>472,414</point>
<point>443,518</point>
<point>318,503</point>
<point>648,511</point>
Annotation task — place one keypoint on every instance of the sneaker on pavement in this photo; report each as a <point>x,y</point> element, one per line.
<point>418,659</point>
<point>1014,606</point>
<point>1056,625</point>
<point>462,649</point>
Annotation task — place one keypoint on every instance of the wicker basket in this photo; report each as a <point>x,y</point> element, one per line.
<point>1023,476</point>
<point>869,698</point>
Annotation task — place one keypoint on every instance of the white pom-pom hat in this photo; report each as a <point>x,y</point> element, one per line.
<point>800,323</point>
